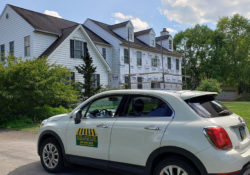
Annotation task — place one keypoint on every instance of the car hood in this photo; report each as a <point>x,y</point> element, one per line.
<point>57,117</point>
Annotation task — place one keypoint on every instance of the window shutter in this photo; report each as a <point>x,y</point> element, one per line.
<point>71,48</point>
<point>84,49</point>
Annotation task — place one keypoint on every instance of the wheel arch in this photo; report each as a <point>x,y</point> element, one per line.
<point>160,153</point>
<point>49,134</point>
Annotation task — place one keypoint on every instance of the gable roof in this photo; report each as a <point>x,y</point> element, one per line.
<point>137,43</point>
<point>53,25</point>
<point>119,25</point>
<point>164,37</point>
<point>42,22</point>
<point>94,37</point>
<point>143,32</point>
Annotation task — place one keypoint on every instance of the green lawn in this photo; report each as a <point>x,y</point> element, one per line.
<point>240,108</point>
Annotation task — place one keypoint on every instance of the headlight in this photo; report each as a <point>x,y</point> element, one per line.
<point>43,123</point>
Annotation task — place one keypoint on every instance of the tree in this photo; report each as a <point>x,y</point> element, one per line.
<point>27,84</point>
<point>210,85</point>
<point>197,49</point>
<point>236,30</point>
<point>87,69</point>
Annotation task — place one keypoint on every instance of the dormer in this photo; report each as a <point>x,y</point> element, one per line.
<point>146,36</point>
<point>165,40</point>
<point>124,30</point>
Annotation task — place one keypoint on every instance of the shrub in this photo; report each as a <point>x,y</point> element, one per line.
<point>44,112</point>
<point>25,85</point>
<point>211,85</point>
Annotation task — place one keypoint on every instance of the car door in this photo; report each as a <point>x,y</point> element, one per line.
<point>91,137</point>
<point>139,129</point>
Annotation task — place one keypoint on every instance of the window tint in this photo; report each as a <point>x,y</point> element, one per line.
<point>207,107</point>
<point>104,107</point>
<point>142,106</point>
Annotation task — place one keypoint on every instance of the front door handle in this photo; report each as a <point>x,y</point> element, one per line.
<point>102,125</point>
<point>152,128</point>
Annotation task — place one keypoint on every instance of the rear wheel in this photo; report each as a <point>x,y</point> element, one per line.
<point>175,166</point>
<point>51,155</point>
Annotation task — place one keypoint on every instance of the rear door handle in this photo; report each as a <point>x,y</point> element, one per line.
<point>152,128</point>
<point>102,125</point>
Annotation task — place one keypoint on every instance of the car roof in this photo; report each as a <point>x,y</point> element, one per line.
<point>184,94</point>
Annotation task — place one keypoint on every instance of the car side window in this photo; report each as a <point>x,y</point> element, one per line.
<point>143,106</point>
<point>104,107</point>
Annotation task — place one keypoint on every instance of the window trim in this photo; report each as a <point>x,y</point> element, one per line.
<point>157,61</point>
<point>27,46</point>
<point>127,55</point>
<point>129,97</point>
<point>104,55</point>
<point>139,53</point>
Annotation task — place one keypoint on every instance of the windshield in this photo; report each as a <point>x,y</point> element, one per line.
<point>208,107</point>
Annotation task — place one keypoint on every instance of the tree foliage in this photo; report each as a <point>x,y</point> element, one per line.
<point>87,69</point>
<point>25,85</point>
<point>221,54</point>
<point>210,85</point>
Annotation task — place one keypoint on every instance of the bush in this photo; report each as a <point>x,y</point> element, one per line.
<point>210,85</point>
<point>44,112</point>
<point>26,86</point>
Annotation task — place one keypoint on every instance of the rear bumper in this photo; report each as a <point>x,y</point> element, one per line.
<point>223,162</point>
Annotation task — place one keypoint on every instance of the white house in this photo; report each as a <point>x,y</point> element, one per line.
<point>146,53</point>
<point>153,62</point>
<point>30,34</point>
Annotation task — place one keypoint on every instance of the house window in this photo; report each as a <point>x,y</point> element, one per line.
<point>96,80</point>
<point>177,64</point>
<point>155,61</point>
<point>77,48</point>
<point>170,44</point>
<point>126,81</point>
<point>2,51</point>
<point>126,56</point>
<point>72,77</point>
<point>169,62</point>
<point>155,85</point>
<point>11,47</point>
<point>139,82</point>
<point>27,46</point>
<point>139,58</point>
<point>104,53</point>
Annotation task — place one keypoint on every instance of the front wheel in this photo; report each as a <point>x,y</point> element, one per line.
<point>174,166</point>
<point>51,155</point>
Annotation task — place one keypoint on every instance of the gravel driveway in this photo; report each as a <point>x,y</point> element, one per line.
<point>18,156</point>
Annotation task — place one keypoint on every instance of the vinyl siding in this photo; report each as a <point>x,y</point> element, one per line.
<point>15,28</point>
<point>61,56</point>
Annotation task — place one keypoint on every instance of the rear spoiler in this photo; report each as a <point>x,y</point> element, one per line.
<point>188,95</point>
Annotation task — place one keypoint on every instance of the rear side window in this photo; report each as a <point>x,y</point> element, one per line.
<point>208,107</point>
<point>144,106</point>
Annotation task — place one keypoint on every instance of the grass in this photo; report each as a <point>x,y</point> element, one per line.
<point>22,124</point>
<point>240,108</point>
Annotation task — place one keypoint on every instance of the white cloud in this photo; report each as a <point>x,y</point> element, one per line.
<point>173,31</point>
<point>52,13</point>
<point>203,11</point>
<point>137,22</point>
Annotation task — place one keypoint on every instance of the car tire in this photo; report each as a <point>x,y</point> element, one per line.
<point>51,155</point>
<point>175,163</point>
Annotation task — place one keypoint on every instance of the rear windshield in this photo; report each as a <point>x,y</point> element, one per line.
<point>208,107</point>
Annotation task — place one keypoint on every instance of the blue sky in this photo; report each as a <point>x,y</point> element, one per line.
<point>176,15</point>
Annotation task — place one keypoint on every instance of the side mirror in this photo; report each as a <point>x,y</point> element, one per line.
<point>77,117</point>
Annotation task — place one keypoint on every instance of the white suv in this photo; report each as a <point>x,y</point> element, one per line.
<point>148,132</point>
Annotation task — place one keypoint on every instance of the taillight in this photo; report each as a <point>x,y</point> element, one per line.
<point>219,137</point>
